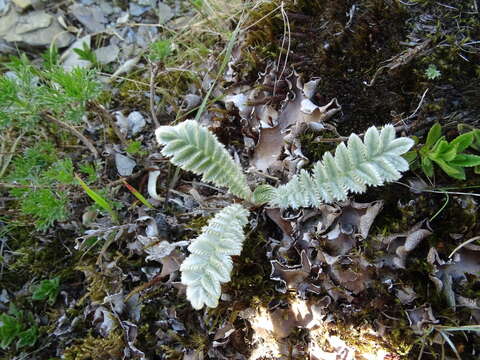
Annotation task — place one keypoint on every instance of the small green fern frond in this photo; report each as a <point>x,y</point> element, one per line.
<point>355,166</point>
<point>210,261</point>
<point>194,148</point>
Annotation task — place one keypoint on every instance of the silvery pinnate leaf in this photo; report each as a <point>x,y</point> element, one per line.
<point>210,261</point>
<point>192,147</point>
<point>354,166</point>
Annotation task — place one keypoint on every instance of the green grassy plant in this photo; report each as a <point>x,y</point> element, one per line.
<point>432,72</point>
<point>34,98</point>
<point>451,156</point>
<point>47,290</point>
<point>40,179</point>
<point>90,170</point>
<point>160,50</point>
<point>28,91</point>
<point>19,326</point>
<point>86,53</point>
<point>43,185</point>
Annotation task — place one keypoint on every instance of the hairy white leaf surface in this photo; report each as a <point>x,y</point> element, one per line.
<point>354,166</point>
<point>194,148</point>
<point>210,261</point>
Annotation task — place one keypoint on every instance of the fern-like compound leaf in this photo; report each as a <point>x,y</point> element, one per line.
<point>355,166</point>
<point>210,261</point>
<point>194,148</point>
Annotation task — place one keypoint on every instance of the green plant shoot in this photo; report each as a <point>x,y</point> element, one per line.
<point>137,194</point>
<point>98,199</point>
<point>47,290</point>
<point>449,156</point>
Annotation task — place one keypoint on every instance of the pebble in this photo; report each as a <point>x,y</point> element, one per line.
<point>71,59</point>
<point>23,4</point>
<point>107,54</point>
<point>137,10</point>
<point>136,122</point>
<point>165,13</point>
<point>92,17</point>
<point>36,28</point>
<point>4,6</point>
<point>124,164</point>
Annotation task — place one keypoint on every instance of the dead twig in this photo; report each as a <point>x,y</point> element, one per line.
<point>401,59</point>
<point>129,178</point>
<point>463,244</point>
<point>153,109</point>
<point>418,107</point>
<point>144,286</point>
<point>18,186</point>
<point>106,116</point>
<point>5,161</point>
<point>75,132</point>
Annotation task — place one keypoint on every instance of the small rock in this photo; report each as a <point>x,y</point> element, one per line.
<point>179,22</point>
<point>38,21</point>
<point>190,101</point>
<point>130,36</point>
<point>4,6</point>
<point>122,19</point>
<point>8,26</point>
<point>107,54</point>
<point>146,2</point>
<point>106,7</point>
<point>136,10</point>
<point>91,17</point>
<point>6,49</point>
<point>122,122</point>
<point>23,4</point>
<point>71,59</point>
<point>37,28</point>
<point>125,67</point>
<point>124,164</point>
<point>136,122</point>
<point>145,35</point>
<point>165,13</point>
<point>4,297</point>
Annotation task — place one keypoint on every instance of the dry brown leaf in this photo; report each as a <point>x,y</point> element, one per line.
<point>420,318</point>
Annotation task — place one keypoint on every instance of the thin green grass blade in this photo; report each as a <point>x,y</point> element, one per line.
<point>97,198</point>
<point>223,65</point>
<point>137,194</point>
<point>459,328</point>
<point>451,344</point>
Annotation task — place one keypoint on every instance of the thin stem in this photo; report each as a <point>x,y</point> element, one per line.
<point>8,158</point>
<point>463,244</point>
<point>447,198</point>
<point>153,110</point>
<point>110,120</point>
<point>75,132</point>
<point>18,186</point>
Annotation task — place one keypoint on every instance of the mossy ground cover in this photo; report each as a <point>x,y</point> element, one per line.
<point>373,56</point>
